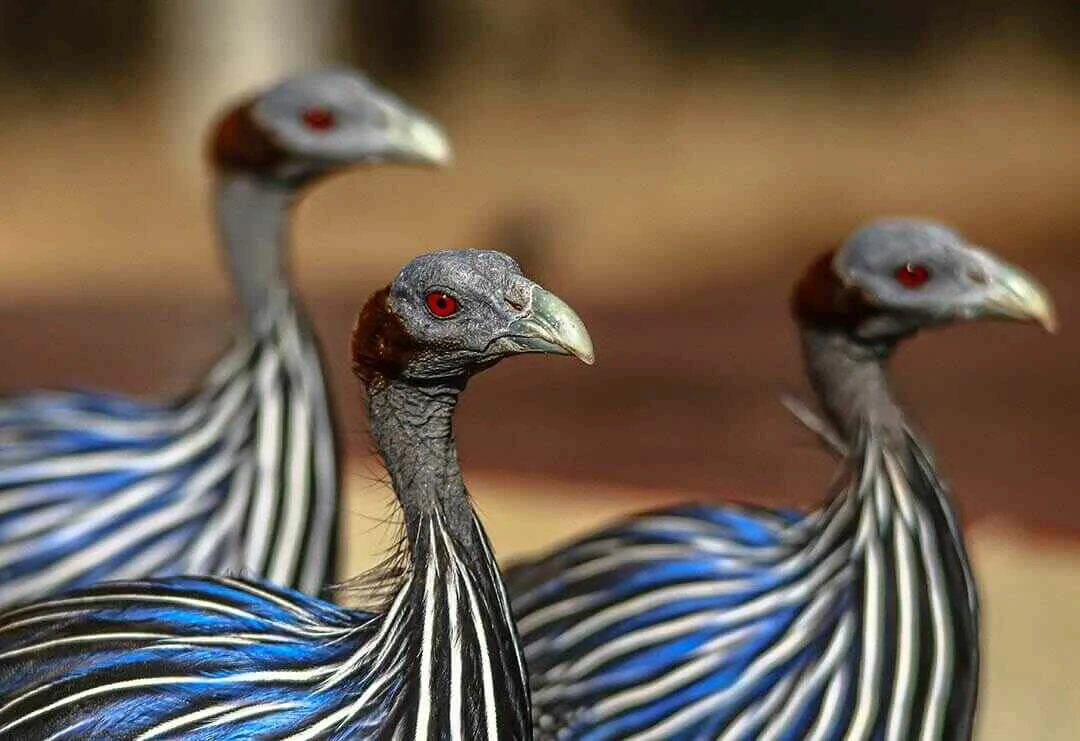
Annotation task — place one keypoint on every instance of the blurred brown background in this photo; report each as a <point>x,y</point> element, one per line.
<point>669,168</point>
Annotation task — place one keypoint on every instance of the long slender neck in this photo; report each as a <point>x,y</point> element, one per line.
<point>464,669</point>
<point>851,380</point>
<point>412,429</point>
<point>253,215</point>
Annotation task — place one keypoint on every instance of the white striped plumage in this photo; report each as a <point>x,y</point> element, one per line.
<point>730,622</point>
<point>241,476</point>
<point>225,658</point>
<point>222,482</point>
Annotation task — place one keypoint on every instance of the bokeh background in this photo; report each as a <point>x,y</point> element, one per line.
<point>667,167</point>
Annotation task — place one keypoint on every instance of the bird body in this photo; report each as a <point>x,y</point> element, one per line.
<point>219,658</point>
<point>119,490</point>
<point>735,622</point>
<point>856,620</point>
<point>241,475</point>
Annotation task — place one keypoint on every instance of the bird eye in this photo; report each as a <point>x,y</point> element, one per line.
<point>912,275</point>
<point>319,119</point>
<point>441,304</point>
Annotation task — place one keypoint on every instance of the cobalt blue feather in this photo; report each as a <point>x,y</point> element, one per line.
<point>239,477</point>
<point>218,658</point>
<point>737,622</point>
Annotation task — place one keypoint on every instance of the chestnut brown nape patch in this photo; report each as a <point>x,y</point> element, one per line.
<point>821,299</point>
<point>381,347</point>
<point>239,144</point>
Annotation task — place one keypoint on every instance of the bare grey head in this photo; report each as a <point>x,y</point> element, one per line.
<point>449,314</point>
<point>320,122</point>
<point>893,277</point>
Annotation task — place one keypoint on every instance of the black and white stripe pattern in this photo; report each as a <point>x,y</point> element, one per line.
<point>856,621</point>
<point>217,658</point>
<point>239,478</point>
<point>469,682</point>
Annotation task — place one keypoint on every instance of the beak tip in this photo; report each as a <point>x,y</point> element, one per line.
<point>427,142</point>
<point>439,152</point>
<point>1022,298</point>
<point>559,328</point>
<point>1049,322</point>
<point>1042,312</point>
<point>580,345</point>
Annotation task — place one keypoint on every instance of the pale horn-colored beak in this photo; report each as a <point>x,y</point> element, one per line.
<point>551,326</point>
<point>415,138</point>
<point>1014,294</point>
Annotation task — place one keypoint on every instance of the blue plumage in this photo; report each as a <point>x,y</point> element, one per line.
<point>737,622</point>
<point>212,658</point>
<point>97,487</point>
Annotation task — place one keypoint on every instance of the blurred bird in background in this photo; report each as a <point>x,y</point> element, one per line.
<point>240,476</point>
<point>858,619</point>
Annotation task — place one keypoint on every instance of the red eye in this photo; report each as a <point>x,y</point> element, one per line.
<point>441,304</point>
<point>319,119</point>
<point>912,275</point>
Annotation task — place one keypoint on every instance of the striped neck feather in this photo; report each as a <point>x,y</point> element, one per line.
<point>917,601</point>
<point>270,399</point>
<point>449,636</point>
<point>918,649</point>
<point>462,667</point>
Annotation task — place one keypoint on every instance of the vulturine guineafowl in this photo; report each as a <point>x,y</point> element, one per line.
<point>858,620</point>
<point>216,658</point>
<point>241,475</point>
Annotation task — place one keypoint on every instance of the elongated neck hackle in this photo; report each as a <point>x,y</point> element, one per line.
<point>848,374</point>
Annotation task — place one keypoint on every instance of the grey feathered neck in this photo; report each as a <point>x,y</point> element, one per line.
<point>850,378</point>
<point>253,219</point>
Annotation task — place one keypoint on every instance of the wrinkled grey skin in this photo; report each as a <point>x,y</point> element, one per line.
<point>847,367</point>
<point>501,313</point>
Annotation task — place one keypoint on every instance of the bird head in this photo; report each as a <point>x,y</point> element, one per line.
<point>450,314</point>
<point>321,122</point>
<point>893,277</point>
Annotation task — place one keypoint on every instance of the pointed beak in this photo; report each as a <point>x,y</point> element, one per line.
<point>415,138</point>
<point>551,326</point>
<point>1015,295</point>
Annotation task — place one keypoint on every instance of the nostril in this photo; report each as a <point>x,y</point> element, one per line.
<point>518,306</point>
<point>978,277</point>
